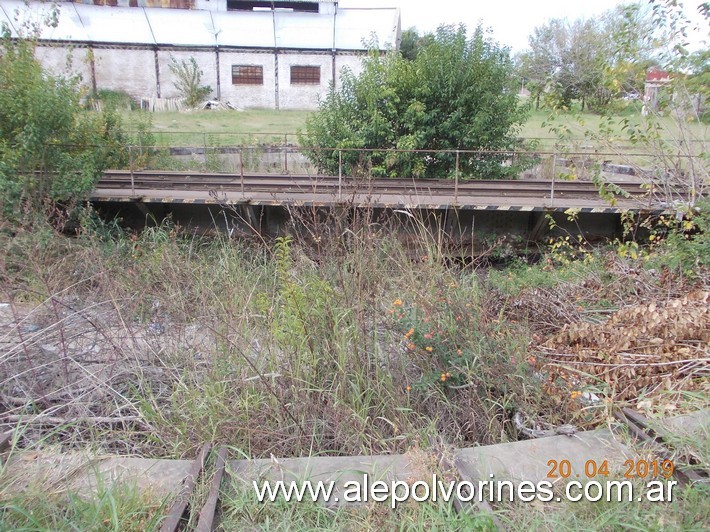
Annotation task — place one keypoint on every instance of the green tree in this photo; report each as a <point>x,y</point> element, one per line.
<point>542,63</point>
<point>698,81</point>
<point>676,154</point>
<point>592,61</point>
<point>411,43</point>
<point>50,149</point>
<point>456,94</point>
<point>629,30</point>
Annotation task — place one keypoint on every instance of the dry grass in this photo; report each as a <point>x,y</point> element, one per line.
<point>337,340</point>
<point>154,343</point>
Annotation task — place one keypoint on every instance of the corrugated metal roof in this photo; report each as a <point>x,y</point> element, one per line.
<point>169,27</point>
<point>5,21</point>
<point>19,17</point>
<point>303,30</point>
<point>69,25</point>
<point>255,30</point>
<point>126,25</point>
<point>96,24</point>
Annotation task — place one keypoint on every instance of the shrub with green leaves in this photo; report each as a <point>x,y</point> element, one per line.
<point>684,245</point>
<point>49,148</point>
<point>115,100</point>
<point>188,80</point>
<point>458,93</point>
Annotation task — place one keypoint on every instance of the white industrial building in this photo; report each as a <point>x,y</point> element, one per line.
<point>254,54</point>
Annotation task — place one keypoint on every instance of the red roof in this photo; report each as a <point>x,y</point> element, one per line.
<point>655,74</point>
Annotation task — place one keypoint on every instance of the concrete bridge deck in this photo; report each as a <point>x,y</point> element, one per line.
<point>420,200</point>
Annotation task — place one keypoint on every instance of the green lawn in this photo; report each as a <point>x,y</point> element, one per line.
<point>541,127</point>
<point>219,128</point>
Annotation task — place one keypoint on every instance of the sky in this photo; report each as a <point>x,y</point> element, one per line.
<point>511,20</point>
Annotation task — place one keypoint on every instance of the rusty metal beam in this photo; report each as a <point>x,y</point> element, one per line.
<point>172,520</point>
<point>207,514</point>
<point>639,427</point>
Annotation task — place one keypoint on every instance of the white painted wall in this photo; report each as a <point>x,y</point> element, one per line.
<point>66,61</point>
<point>303,96</point>
<point>211,5</point>
<point>351,61</point>
<point>326,7</point>
<point>132,71</point>
<point>248,96</point>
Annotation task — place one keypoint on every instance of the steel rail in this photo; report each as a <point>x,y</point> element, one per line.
<point>164,175</point>
<point>314,184</point>
<point>360,185</point>
<point>660,442</point>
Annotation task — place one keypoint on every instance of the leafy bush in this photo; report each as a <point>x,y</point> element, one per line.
<point>684,245</point>
<point>115,100</point>
<point>456,94</point>
<point>49,148</point>
<point>189,81</point>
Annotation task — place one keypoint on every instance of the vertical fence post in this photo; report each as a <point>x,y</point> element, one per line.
<point>552,184</point>
<point>340,174</point>
<point>130,165</point>
<point>285,154</point>
<point>140,146</point>
<point>204,143</point>
<point>241,169</point>
<point>456,180</point>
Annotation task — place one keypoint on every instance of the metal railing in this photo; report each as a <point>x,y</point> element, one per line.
<point>553,166</point>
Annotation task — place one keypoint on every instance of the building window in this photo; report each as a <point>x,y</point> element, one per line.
<point>269,5</point>
<point>247,75</point>
<point>305,75</point>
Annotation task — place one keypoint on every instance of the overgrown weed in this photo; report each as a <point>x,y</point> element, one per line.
<point>338,339</point>
<point>276,349</point>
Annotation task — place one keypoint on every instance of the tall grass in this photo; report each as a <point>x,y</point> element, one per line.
<point>346,347</point>
<point>346,337</point>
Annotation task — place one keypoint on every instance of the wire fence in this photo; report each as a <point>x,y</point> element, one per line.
<point>458,165</point>
<point>281,138</point>
<point>679,166</point>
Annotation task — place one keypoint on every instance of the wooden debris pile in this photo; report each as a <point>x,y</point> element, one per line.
<point>640,349</point>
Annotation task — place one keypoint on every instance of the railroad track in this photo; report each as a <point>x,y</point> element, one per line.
<point>114,179</point>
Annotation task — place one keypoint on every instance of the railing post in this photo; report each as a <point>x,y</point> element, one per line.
<point>130,165</point>
<point>140,146</point>
<point>340,174</point>
<point>456,180</point>
<point>204,143</point>
<point>285,154</point>
<point>552,184</point>
<point>241,169</point>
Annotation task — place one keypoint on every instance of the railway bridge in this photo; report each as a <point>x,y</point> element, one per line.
<point>465,211</point>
